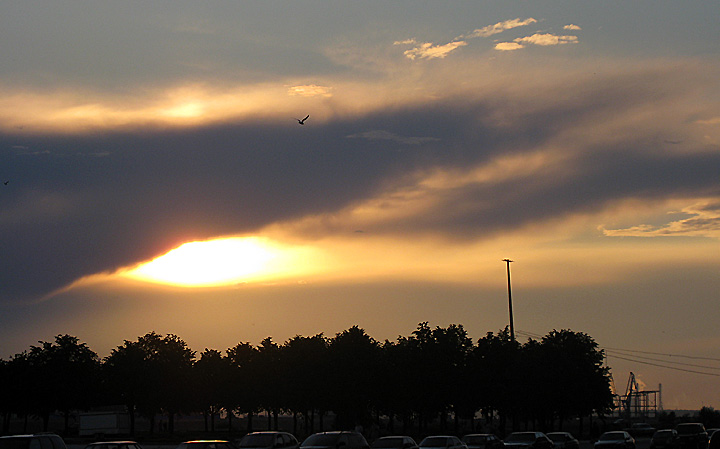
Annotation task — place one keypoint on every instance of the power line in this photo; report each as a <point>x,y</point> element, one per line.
<point>613,353</point>
<point>667,355</point>
<point>668,367</point>
<point>630,355</point>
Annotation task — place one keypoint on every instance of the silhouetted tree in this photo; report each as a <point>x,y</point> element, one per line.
<point>127,373</point>
<point>210,384</point>
<point>243,395</point>
<point>352,366</point>
<point>578,381</point>
<point>305,358</point>
<point>496,374</point>
<point>709,417</point>
<point>171,362</point>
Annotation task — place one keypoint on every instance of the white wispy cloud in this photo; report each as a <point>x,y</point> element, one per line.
<point>387,135</point>
<point>704,221</point>
<point>542,39</point>
<point>428,50</point>
<point>546,39</point>
<point>500,27</point>
<point>572,27</point>
<point>508,46</point>
<point>310,90</point>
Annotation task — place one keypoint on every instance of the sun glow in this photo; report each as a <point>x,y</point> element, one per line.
<point>220,262</point>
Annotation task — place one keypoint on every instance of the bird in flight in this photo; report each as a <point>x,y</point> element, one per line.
<point>6,182</point>
<point>302,122</point>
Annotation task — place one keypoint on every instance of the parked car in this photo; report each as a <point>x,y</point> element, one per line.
<point>563,440</point>
<point>711,432</point>
<point>482,441</point>
<point>206,444</point>
<point>442,442</point>
<point>113,445</point>
<point>642,429</point>
<point>664,439</point>
<point>528,440</point>
<point>268,440</point>
<point>335,440</point>
<point>394,442</point>
<point>617,439</point>
<point>714,441</point>
<point>44,440</point>
<point>692,435</point>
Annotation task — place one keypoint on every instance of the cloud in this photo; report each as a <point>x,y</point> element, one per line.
<point>386,135</point>
<point>428,50</point>
<point>571,27</point>
<point>493,154</point>
<point>311,90</point>
<point>499,27</point>
<point>547,39</point>
<point>542,39</point>
<point>704,221</point>
<point>508,46</point>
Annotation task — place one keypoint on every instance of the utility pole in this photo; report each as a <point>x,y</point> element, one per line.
<point>512,326</point>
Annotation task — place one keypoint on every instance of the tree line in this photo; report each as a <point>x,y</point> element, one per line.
<point>433,375</point>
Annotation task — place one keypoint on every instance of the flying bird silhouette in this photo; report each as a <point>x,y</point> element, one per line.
<point>302,122</point>
<point>6,182</point>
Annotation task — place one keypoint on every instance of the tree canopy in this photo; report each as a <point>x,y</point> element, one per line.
<point>434,373</point>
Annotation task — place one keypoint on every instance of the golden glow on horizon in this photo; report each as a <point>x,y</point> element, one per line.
<point>225,261</point>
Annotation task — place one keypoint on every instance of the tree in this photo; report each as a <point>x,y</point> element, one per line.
<point>306,359</point>
<point>66,372</point>
<point>352,368</point>
<point>496,373</point>
<point>159,370</point>
<point>127,374</point>
<point>576,377</point>
<point>210,384</point>
<point>243,394</point>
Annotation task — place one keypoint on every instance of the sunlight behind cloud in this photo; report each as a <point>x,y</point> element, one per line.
<point>224,261</point>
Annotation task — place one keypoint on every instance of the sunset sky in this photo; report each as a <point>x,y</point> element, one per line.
<point>579,138</point>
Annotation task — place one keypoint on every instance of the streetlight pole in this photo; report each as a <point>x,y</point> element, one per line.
<point>512,326</point>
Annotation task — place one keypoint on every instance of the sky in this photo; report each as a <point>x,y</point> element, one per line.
<point>155,176</point>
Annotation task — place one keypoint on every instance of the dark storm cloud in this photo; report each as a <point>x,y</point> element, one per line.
<point>84,204</point>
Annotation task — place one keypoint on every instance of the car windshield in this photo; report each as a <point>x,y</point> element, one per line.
<point>690,428</point>
<point>520,437</point>
<point>434,442</point>
<point>557,436</point>
<point>321,439</point>
<point>475,439</point>
<point>388,442</point>
<point>610,436</point>
<point>662,433</point>
<point>258,440</point>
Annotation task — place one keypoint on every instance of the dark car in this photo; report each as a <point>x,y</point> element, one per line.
<point>394,442</point>
<point>268,440</point>
<point>642,429</point>
<point>335,440</point>
<point>664,439</point>
<point>482,441</point>
<point>206,444</point>
<point>692,436</point>
<point>617,439</point>
<point>563,440</point>
<point>34,441</point>
<point>528,440</point>
<point>715,441</point>
<point>442,442</point>
<point>113,445</point>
